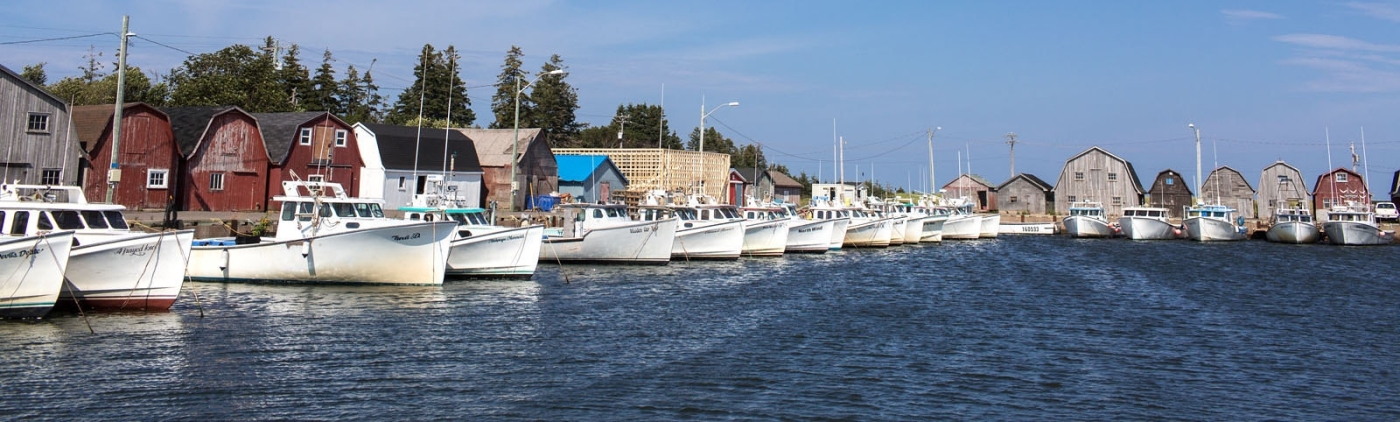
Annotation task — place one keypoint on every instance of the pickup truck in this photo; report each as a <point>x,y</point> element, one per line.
<point>1385,211</point>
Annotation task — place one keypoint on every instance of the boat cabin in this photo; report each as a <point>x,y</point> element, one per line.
<point>33,209</point>
<point>316,208</point>
<point>763,213</point>
<point>463,216</point>
<point>1218,212</point>
<point>1292,215</point>
<point>1153,213</point>
<point>1087,209</point>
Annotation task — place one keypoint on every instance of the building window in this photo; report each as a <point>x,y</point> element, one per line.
<point>51,177</point>
<point>316,178</point>
<point>1071,199</point>
<point>1117,200</point>
<point>38,123</point>
<point>340,135</point>
<point>1078,175</point>
<point>1013,199</point>
<point>1169,181</point>
<point>216,181</point>
<point>157,179</point>
<point>1341,177</point>
<point>305,136</point>
<point>401,181</point>
<point>1113,177</point>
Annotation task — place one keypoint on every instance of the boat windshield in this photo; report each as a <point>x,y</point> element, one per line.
<point>94,219</point>
<point>369,210</point>
<point>686,214</point>
<point>729,212</point>
<point>344,209</point>
<point>67,220</point>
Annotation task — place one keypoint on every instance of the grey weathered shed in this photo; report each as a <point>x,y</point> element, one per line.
<point>1226,186</point>
<point>1026,193</point>
<point>1097,175</point>
<point>1282,186</point>
<point>1170,191</point>
<point>40,147</point>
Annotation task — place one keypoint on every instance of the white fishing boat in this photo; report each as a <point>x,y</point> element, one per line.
<point>990,226</point>
<point>806,236</point>
<point>111,266</point>
<point>324,236</point>
<point>604,233</point>
<point>934,218</point>
<point>1209,223</point>
<point>1148,223</point>
<point>31,269</point>
<point>1292,225</point>
<point>703,232</point>
<point>962,224</point>
<point>863,231</point>
<point>1354,225</point>
<point>1026,228</point>
<point>765,231</point>
<point>1087,219</point>
<point>479,248</point>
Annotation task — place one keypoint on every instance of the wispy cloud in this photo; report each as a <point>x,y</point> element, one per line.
<point>1384,11</point>
<point>1248,15</point>
<point>1335,42</point>
<point>1347,76</point>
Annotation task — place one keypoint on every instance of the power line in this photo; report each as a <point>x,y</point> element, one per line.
<point>56,39</point>
<point>163,45</point>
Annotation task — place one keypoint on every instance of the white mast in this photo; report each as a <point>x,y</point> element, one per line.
<point>932,180</point>
<point>1366,167</point>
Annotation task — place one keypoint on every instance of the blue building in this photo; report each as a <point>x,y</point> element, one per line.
<point>589,178</point>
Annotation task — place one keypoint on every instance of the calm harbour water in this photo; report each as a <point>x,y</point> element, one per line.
<point>1038,328</point>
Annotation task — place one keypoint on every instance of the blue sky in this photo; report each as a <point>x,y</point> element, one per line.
<point>1263,80</point>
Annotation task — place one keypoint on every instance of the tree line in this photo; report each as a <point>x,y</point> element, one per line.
<point>261,81</point>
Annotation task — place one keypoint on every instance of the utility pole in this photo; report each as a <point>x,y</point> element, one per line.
<point>623,119</point>
<point>114,174</point>
<point>1011,140</point>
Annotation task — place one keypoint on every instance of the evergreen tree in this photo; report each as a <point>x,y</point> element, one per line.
<point>503,101</point>
<point>412,101</point>
<point>714,142</point>
<point>92,71</point>
<point>460,112</point>
<point>745,157</point>
<point>592,137</point>
<point>35,73</point>
<point>644,124</point>
<point>235,75</point>
<point>436,76</point>
<point>555,102</point>
<point>293,78</point>
<point>322,96</point>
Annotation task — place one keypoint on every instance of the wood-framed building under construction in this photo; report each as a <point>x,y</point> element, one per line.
<point>670,170</point>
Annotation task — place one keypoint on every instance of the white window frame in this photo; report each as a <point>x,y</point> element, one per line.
<point>57,178</point>
<point>341,135</point>
<point>1341,177</point>
<point>164,178</point>
<point>402,179</point>
<point>304,137</point>
<point>316,178</point>
<point>41,118</point>
<point>1071,199</point>
<point>216,181</point>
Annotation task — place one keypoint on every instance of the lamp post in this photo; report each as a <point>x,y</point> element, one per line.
<point>515,141</point>
<point>703,115</point>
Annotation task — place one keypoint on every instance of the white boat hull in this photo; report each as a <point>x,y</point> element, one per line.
<point>838,233</point>
<point>1211,230</point>
<point>1079,226</point>
<point>31,273</point>
<point>869,234</point>
<point>1355,233</point>
<point>914,229</point>
<point>495,251</point>
<point>645,242</point>
<point>933,229</point>
<point>765,237</point>
<point>990,225</point>
<point>1143,228</point>
<point>716,241</point>
<point>1026,228</point>
<point>962,227</point>
<point>809,236</point>
<point>136,271</point>
<point>897,225</point>
<point>408,254</point>
<point>1293,232</point>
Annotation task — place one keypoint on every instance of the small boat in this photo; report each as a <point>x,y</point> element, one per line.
<point>705,231</point>
<point>863,231</point>
<point>31,269</point>
<point>110,266</point>
<point>324,236</point>
<point>1354,225</point>
<point>806,236</point>
<point>605,233</point>
<point>765,231</point>
<point>1209,223</point>
<point>962,224</point>
<point>1292,225</point>
<point>1087,219</point>
<point>479,248</point>
<point>1148,223</point>
<point>991,224</point>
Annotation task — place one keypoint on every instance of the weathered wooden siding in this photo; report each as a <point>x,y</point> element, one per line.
<point>539,171</point>
<point>1329,191</point>
<point>147,144</point>
<point>1020,195</point>
<point>1170,191</point>
<point>964,186</point>
<point>1096,175</point>
<point>24,155</point>
<point>232,146</point>
<point>1228,187</point>
<point>341,164</point>
<point>1282,186</point>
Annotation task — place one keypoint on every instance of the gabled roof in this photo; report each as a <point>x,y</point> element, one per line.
<point>1132,173</point>
<point>190,123</point>
<point>279,131</point>
<point>91,121</point>
<point>493,146</point>
<point>749,173</point>
<point>1321,179</point>
<point>1289,167</point>
<point>1237,173</point>
<point>579,168</point>
<point>782,180</point>
<point>397,145</point>
<point>1029,178</point>
<point>38,89</point>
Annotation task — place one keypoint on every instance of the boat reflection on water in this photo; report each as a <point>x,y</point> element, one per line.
<point>275,299</point>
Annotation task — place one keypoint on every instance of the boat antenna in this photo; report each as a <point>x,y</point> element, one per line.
<point>68,142</point>
<point>1366,167</point>
<point>1215,162</point>
<point>1332,178</point>
<point>418,140</point>
<point>447,131</point>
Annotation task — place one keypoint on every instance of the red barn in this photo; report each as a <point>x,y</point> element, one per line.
<point>150,161</point>
<point>1340,187</point>
<point>314,146</point>
<point>226,162</point>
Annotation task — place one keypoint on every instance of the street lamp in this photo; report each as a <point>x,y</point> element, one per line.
<point>515,142</point>
<point>1198,157</point>
<point>703,115</point>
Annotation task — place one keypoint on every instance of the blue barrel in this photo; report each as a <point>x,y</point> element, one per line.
<point>545,202</point>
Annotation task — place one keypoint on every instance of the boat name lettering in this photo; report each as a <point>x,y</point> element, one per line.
<point>508,238</point>
<point>810,229</point>
<point>23,253</point>
<point>415,235</point>
<point>136,250</point>
<point>640,230</point>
